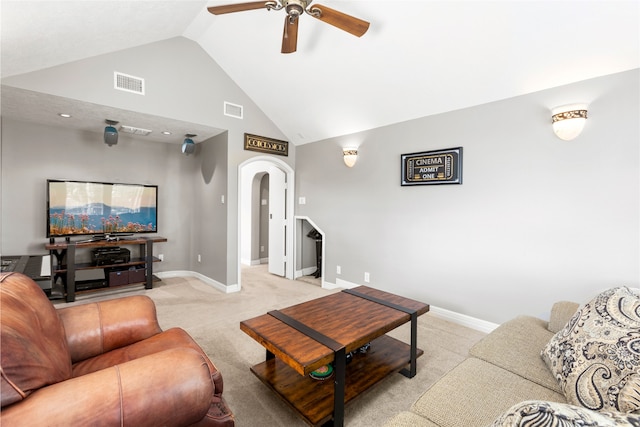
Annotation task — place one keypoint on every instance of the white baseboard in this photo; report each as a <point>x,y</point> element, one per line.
<point>209,281</point>
<point>463,319</point>
<point>340,284</point>
<point>451,316</point>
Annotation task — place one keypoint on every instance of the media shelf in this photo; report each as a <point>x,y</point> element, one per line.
<point>64,268</point>
<point>313,399</point>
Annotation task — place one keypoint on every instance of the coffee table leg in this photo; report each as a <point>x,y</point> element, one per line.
<point>338,393</point>
<point>411,372</point>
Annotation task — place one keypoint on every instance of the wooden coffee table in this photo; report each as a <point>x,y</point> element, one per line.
<point>303,338</point>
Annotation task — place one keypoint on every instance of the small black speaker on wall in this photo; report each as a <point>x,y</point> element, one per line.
<point>110,133</point>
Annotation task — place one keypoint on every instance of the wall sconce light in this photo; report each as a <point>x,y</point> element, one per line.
<point>568,121</point>
<point>350,156</point>
<point>110,133</point>
<point>188,146</point>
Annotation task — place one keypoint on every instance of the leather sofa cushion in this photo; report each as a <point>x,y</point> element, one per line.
<point>34,351</point>
<point>171,388</point>
<point>95,328</point>
<point>171,338</point>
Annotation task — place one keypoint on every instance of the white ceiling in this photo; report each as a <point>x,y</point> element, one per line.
<point>418,58</point>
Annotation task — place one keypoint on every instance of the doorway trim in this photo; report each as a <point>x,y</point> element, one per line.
<point>261,164</point>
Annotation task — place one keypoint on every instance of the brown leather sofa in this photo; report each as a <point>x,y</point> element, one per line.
<point>100,364</point>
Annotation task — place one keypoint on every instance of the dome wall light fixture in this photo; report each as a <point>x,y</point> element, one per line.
<point>188,146</point>
<point>569,120</point>
<point>110,133</point>
<point>350,156</point>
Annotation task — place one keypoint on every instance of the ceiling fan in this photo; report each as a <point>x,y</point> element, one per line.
<point>294,9</point>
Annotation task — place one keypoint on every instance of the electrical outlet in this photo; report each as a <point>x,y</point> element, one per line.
<point>199,258</point>
<point>161,257</point>
<point>366,277</point>
<point>261,248</point>
<point>338,269</point>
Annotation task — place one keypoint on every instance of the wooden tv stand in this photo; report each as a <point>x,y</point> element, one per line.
<point>64,267</point>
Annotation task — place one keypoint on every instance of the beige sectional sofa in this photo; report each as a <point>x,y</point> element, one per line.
<point>505,381</point>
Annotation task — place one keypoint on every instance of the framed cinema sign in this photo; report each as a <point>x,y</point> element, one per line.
<point>266,145</point>
<point>432,167</point>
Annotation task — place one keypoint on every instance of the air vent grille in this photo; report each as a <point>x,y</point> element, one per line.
<point>128,83</point>
<point>233,110</point>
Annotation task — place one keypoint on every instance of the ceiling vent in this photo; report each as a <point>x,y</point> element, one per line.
<point>134,130</point>
<point>232,110</point>
<point>128,83</point>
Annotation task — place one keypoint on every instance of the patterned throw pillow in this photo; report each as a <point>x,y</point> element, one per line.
<point>536,413</point>
<point>596,357</point>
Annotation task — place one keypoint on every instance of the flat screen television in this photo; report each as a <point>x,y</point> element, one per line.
<point>79,208</point>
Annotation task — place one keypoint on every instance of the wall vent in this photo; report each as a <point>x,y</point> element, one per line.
<point>232,110</point>
<point>135,131</point>
<point>128,83</point>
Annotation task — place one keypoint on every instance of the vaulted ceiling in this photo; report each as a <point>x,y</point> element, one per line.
<point>418,58</point>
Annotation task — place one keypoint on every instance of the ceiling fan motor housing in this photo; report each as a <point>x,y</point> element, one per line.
<point>295,8</point>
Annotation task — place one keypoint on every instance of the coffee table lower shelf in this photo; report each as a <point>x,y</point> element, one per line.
<point>313,399</point>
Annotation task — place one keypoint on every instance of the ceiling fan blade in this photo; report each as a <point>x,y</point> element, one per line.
<point>239,7</point>
<point>290,35</point>
<point>345,22</point>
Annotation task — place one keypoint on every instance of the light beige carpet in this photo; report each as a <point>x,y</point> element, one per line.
<point>213,320</point>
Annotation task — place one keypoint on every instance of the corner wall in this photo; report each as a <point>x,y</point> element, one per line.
<point>33,153</point>
<point>191,89</point>
<point>536,219</point>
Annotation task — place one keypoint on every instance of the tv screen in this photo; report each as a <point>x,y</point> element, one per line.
<point>76,208</point>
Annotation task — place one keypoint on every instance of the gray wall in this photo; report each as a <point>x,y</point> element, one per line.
<point>182,82</point>
<point>32,153</point>
<point>536,219</point>
<point>208,233</point>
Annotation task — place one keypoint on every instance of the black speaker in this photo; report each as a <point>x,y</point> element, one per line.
<point>110,136</point>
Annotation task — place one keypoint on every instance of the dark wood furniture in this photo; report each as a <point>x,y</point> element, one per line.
<point>65,266</point>
<point>302,338</point>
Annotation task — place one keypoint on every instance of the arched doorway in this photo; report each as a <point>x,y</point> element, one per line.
<point>281,209</point>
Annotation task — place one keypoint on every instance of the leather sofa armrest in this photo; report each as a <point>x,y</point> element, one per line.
<point>95,328</point>
<point>170,388</point>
